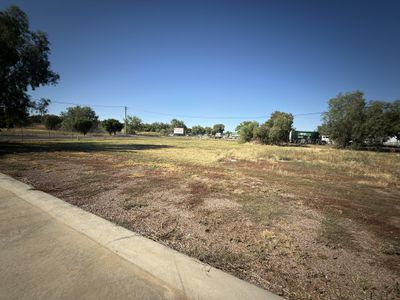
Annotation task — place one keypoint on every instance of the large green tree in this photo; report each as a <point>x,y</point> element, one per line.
<point>279,124</point>
<point>393,116</point>
<point>83,126</point>
<point>218,128</point>
<point>345,119</point>
<point>24,64</point>
<point>177,124</point>
<point>112,126</point>
<point>78,113</point>
<point>247,130</point>
<point>133,124</point>
<point>377,122</point>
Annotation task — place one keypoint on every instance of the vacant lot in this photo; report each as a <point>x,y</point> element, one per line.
<point>303,222</point>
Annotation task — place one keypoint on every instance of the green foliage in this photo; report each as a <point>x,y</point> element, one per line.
<point>112,126</point>
<point>41,106</point>
<point>274,131</point>
<point>349,121</point>
<point>177,124</point>
<point>279,125</point>
<point>75,114</point>
<point>208,130</point>
<point>160,127</point>
<point>218,128</point>
<point>34,119</point>
<point>133,124</point>
<point>323,129</point>
<point>393,116</point>
<point>196,130</point>
<point>262,134</point>
<point>345,119</point>
<point>51,122</point>
<point>377,122</point>
<point>83,126</point>
<point>24,65</point>
<point>247,131</point>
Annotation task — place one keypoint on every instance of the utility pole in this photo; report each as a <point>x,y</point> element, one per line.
<point>126,121</point>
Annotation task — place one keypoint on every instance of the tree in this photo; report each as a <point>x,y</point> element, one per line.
<point>24,64</point>
<point>42,105</point>
<point>279,126</point>
<point>51,122</point>
<point>344,120</point>
<point>377,123</point>
<point>218,128</point>
<point>247,130</point>
<point>197,130</point>
<point>208,130</point>
<point>177,124</point>
<point>83,126</point>
<point>112,126</point>
<point>393,116</point>
<point>262,134</point>
<point>133,124</point>
<point>75,114</point>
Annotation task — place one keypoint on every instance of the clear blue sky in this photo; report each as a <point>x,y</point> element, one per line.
<point>218,58</point>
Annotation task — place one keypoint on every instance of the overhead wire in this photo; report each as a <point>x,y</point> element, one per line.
<point>182,115</point>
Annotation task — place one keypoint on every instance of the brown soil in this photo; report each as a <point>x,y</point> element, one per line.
<point>301,233</point>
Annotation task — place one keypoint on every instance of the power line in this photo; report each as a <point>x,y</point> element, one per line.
<point>180,115</point>
<point>217,117</point>
<point>194,117</point>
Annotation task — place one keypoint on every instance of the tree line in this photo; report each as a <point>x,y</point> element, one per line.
<point>352,121</point>
<point>83,119</point>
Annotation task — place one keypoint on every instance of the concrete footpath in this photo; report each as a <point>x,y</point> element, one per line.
<point>50,249</point>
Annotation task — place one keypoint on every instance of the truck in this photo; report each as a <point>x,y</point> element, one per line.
<point>305,137</point>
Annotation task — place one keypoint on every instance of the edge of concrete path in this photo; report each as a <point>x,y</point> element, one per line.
<point>196,279</point>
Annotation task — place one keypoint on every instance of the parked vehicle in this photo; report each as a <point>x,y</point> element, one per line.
<point>304,137</point>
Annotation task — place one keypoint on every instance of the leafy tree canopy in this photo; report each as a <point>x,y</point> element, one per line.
<point>78,113</point>
<point>247,130</point>
<point>344,120</point>
<point>51,122</point>
<point>196,130</point>
<point>177,124</point>
<point>112,126</point>
<point>24,64</point>
<point>218,128</point>
<point>208,130</point>
<point>83,126</point>
<point>279,124</point>
<point>393,115</point>
<point>133,124</point>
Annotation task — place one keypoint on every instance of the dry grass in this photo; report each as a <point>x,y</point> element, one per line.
<point>304,222</point>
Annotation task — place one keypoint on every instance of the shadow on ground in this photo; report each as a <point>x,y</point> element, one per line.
<point>11,147</point>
